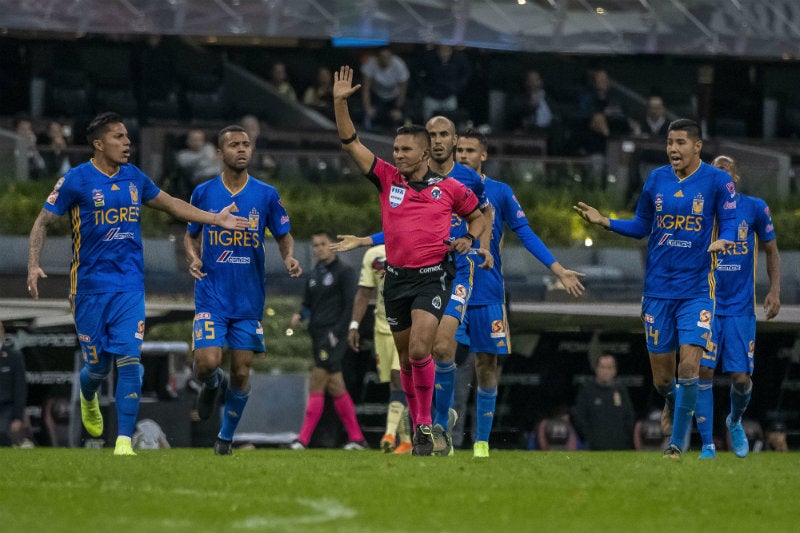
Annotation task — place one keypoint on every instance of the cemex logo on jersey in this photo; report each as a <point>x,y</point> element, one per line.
<point>665,239</point>
<point>227,257</point>
<point>114,234</point>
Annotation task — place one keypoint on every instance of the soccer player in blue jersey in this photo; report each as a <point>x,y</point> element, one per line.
<point>443,143</point>
<point>104,198</point>
<point>485,328</point>
<point>683,207</point>
<point>229,290</point>
<point>734,327</point>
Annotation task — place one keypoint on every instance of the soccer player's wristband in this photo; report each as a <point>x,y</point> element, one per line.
<point>354,324</point>
<point>349,139</point>
<point>469,236</point>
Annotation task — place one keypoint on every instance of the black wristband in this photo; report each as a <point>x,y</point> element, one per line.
<point>350,139</point>
<point>469,236</point>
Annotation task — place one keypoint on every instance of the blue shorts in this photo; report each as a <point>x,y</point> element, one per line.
<point>462,287</point>
<point>734,341</point>
<point>670,323</point>
<point>212,329</point>
<point>485,329</point>
<point>109,323</point>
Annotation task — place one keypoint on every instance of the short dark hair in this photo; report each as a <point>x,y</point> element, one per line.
<point>472,133</point>
<point>325,233</point>
<point>99,125</point>
<point>228,129</point>
<point>417,131</point>
<point>691,127</point>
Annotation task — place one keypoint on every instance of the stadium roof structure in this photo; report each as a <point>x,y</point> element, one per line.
<point>738,28</point>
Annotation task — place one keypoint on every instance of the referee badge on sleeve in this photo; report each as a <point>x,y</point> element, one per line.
<point>396,195</point>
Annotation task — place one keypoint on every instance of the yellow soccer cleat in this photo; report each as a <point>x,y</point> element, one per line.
<point>480,449</point>
<point>91,416</point>
<point>123,446</point>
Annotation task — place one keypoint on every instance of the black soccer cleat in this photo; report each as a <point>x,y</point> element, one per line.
<point>223,447</point>
<point>423,440</point>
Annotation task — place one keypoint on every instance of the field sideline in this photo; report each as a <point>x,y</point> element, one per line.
<point>193,491</point>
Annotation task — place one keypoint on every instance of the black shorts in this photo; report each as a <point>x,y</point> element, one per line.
<point>329,348</point>
<point>426,288</point>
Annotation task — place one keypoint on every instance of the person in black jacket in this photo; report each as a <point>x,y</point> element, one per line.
<point>13,393</point>
<point>603,413</point>
<point>328,304</point>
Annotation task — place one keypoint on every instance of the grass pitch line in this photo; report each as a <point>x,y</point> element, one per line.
<point>324,510</point>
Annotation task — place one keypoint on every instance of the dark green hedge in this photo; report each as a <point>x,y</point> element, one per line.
<point>352,207</point>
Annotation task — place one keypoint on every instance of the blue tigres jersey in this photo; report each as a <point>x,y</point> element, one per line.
<point>736,266</point>
<point>488,287</point>
<point>681,215</point>
<point>473,181</point>
<point>106,235</point>
<point>233,260</point>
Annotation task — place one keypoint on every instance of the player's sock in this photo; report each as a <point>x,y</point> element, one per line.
<point>740,398</point>
<point>316,403</point>
<point>484,409</point>
<point>704,412</point>
<point>424,376</point>
<point>235,401</point>
<point>685,402</point>
<point>393,415</point>
<point>445,378</point>
<point>347,412</point>
<point>407,382</point>
<point>92,376</point>
<point>668,393</point>
<point>129,391</point>
<point>404,429</point>
<point>212,379</point>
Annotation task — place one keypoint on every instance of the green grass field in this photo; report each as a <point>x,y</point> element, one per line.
<point>191,490</point>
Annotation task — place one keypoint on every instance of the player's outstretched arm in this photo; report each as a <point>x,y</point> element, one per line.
<point>590,214</point>
<point>772,302</point>
<point>186,211</point>
<point>350,242</point>
<point>35,245</point>
<point>343,88</point>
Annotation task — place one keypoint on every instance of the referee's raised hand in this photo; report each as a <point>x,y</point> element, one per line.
<point>343,83</point>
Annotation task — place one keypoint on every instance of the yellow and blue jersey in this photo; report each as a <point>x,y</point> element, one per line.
<point>682,218</point>
<point>473,181</point>
<point>735,271</point>
<point>233,260</point>
<point>104,213</point>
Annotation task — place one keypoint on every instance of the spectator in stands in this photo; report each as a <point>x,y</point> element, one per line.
<point>530,111</point>
<point>385,84</point>
<point>647,433</point>
<point>603,413</point>
<point>655,121</point>
<point>262,165</point>
<point>26,147</point>
<point>557,432</point>
<point>279,79</point>
<point>601,114</point>
<point>52,146</point>
<point>198,162</point>
<point>444,74</point>
<point>155,79</point>
<point>776,437</point>
<point>319,96</point>
<point>13,393</point>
